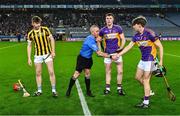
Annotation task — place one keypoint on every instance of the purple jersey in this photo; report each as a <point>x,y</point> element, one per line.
<point>146,44</point>
<point>111,38</point>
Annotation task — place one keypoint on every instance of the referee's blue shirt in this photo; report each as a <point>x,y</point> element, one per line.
<point>88,47</point>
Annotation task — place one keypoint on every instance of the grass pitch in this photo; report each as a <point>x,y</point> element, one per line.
<point>13,66</point>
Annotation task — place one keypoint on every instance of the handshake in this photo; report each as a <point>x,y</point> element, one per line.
<point>114,56</point>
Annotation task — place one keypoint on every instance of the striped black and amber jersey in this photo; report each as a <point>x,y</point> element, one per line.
<point>41,40</point>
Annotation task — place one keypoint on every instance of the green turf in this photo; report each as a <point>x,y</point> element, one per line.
<point>13,66</point>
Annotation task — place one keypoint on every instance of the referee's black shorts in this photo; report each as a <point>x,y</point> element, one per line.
<point>83,63</point>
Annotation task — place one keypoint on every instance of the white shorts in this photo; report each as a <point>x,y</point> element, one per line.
<point>109,60</point>
<point>146,65</point>
<point>42,58</point>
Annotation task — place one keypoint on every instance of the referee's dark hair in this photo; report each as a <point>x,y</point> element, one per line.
<point>36,19</point>
<point>139,20</point>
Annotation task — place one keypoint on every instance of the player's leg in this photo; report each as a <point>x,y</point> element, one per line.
<point>147,88</point>
<point>50,67</point>
<point>139,78</point>
<point>88,82</point>
<point>146,83</point>
<point>38,68</point>
<point>108,78</point>
<point>38,60</point>
<point>139,75</point>
<point>119,65</point>
<point>140,72</point>
<point>119,78</point>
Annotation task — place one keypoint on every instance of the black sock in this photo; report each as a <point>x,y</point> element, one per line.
<point>71,83</point>
<point>88,82</point>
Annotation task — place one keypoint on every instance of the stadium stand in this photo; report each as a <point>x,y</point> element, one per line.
<point>90,2</point>
<point>11,24</point>
<point>75,22</point>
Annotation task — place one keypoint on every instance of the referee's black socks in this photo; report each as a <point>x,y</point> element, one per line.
<point>71,83</point>
<point>88,82</point>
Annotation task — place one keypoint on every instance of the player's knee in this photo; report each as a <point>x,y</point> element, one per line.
<point>51,73</point>
<point>108,71</point>
<point>146,80</point>
<point>38,73</point>
<point>120,72</point>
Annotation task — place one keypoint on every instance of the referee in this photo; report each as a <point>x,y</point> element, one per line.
<point>44,52</point>
<point>85,61</point>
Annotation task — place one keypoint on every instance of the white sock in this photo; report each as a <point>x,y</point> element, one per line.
<point>146,102</point>
<point>107,88</point>
<point>39,89</point>
<point>119,88</point>
<point>53,88</point>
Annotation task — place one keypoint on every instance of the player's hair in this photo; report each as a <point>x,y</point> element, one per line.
<point>92,27</point>
<point>109,14</point>
<point>139,20</point>
<point>36,19</point>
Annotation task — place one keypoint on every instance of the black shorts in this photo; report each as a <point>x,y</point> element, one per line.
<point>83,63</point>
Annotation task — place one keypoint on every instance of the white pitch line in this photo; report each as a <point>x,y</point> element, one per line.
<point>82,99</point>
<point>9,46</point>
<point>171,55</point>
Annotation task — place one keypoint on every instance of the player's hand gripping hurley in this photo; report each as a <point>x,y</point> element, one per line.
<point>171,95</point>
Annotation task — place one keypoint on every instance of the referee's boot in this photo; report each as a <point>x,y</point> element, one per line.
<point>89,93</point>
<point>68,92</point>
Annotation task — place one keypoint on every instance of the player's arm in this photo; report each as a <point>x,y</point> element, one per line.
<point>52,41</point>
<point>99,43</point>
<point>126,49</point>
<point>102,54</point>
<point>159,45</point>
<point>52,45</point>
<point>123,40</point>
<point>29,48</point>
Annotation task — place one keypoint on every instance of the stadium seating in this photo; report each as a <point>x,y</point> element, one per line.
<point>89,2</point>
<point>77,24</point>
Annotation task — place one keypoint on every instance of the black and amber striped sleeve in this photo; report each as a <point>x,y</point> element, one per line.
<point>47,31</point>
<point>30,36</point>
